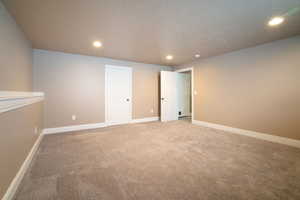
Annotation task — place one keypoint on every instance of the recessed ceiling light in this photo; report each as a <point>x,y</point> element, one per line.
<point>169,57</point>
<point>276,21</point>
<point>97,44</point>
<point>197,55</point>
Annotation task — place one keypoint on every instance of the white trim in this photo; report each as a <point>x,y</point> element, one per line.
<point>192,86</point>
<point>9,105</point>
<point>262,136</point>
<point>115,123</point>
<point>8,95</point>
<point>73,128</point>
<point>11,191</point>
<point>92,126</point>
<point>10,100</point>
<point>106,91</point>
<point>148,119</point>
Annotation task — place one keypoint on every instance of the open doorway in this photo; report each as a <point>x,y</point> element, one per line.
<point>184,95</point>
<point>176,92</point>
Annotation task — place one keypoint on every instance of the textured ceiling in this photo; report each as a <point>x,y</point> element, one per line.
<point>147,30</point>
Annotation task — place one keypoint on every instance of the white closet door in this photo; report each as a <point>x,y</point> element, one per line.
<point>118,94</point>
<point>168,94</point>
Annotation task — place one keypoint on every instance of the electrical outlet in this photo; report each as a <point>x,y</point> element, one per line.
<point>74,117</point>
<point>152,110</point>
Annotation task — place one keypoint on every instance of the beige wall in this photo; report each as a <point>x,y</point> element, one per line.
<point>17,134</point>
<point>16,140</point>
<point>256,89</point>
<point>74,84</point>
<point>15,55</point>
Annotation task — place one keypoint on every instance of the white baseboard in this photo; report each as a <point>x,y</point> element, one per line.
<point>148,119</point>
<point>12,189</point>
<point>262,136</point>
<point>73,128</point>
<point>92,126</point>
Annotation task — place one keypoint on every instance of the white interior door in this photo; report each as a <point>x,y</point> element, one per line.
<point>118,95</point>
<point>168,94</point>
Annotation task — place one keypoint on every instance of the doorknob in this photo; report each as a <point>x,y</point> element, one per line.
<point>127,99</point>
<point>162,99</point>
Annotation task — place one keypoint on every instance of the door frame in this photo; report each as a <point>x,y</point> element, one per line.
<point>192,86</point>
<point>106,92</point>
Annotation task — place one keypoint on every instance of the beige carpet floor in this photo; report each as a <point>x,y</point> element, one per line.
<point>161,161</point>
